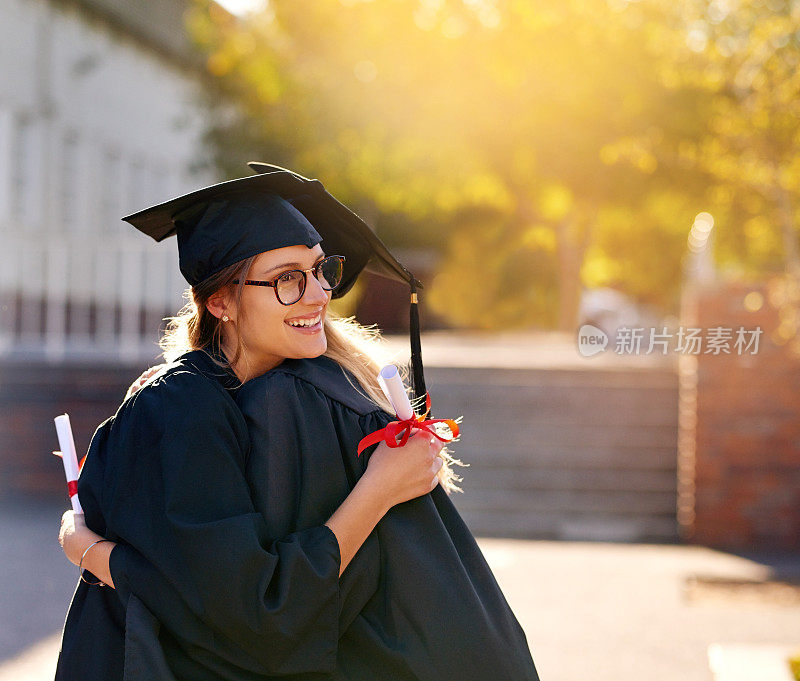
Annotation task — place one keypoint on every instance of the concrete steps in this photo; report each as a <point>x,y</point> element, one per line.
<point>565,454</point>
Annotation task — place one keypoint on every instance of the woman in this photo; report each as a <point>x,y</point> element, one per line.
<point>249,539</point>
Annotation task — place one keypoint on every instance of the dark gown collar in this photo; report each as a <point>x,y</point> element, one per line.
<point>322,372</point>
<point>329,378</point>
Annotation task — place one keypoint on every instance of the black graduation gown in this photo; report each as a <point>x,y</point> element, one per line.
<point>435,611</point>
<point>220,530</point>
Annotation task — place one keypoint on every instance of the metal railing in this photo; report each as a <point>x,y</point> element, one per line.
<point>79,295</point>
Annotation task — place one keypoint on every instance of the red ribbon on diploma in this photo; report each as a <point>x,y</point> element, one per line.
<point>72,485</point>
<point>390,432</point>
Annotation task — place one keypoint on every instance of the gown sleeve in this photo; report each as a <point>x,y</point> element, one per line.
<point>194,549</point>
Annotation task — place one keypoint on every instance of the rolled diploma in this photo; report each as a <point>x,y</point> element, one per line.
<point>389,379</point>
<point>69,457</point>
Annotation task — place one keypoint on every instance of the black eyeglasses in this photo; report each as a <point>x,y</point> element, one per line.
<point>290,286</point>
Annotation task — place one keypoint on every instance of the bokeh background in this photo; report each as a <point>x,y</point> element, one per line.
<point>540,166</point>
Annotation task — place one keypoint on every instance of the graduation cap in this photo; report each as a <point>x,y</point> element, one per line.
<point>225,223</point>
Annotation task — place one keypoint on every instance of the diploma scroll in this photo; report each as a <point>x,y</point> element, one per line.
<point>389,379</point>
<point>396,433</point>
<point>70,459</point>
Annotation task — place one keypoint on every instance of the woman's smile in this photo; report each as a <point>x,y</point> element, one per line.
<point>309,323</point>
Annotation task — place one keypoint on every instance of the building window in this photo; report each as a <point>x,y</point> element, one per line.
<point>111,191</point>
<point>159,189</point>
<point>136,197</point>
<point>23,160</point>
<point>69,182</point>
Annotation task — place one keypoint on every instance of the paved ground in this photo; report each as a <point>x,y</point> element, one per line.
<point>605,612</point>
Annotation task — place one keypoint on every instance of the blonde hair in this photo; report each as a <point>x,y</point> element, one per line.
<point>354,347</point>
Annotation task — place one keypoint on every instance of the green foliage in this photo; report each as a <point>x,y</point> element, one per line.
<point>794,666</point>
<point>539,147</point>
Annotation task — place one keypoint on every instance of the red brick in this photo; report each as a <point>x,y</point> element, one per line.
<point>747,431</point>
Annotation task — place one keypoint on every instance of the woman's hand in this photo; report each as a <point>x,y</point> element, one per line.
<point>75,538</point>
<point>393,475</point>
<point>146,376</point>
<point>406,472</point>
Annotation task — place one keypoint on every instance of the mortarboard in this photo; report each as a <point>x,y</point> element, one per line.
<point>225,223</point>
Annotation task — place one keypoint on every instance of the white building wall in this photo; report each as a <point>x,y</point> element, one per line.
<point>93,125</point>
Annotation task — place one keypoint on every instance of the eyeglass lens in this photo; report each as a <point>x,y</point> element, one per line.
<point>291,285</point>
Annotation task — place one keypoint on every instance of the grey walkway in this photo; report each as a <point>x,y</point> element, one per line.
<point>605,612</point>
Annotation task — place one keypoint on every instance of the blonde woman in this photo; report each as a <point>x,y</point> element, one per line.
<point>238,532</point>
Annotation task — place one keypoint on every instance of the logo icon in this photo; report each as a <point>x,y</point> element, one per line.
<point>591,340</point>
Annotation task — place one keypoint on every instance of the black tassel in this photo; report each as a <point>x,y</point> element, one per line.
<point>417,373</point>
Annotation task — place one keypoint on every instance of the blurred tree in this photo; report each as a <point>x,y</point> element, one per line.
<point>538,147</point>
<point>740,60</point>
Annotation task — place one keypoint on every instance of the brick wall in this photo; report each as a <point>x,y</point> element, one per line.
<point>739,441</point>
<point>31,395</point>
